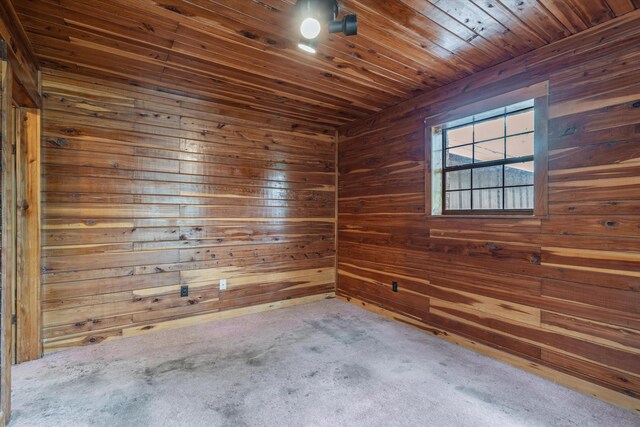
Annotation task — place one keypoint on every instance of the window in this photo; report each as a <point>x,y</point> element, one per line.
<point>486,163</point>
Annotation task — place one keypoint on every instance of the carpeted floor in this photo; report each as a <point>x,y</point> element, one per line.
<point>320,364</point>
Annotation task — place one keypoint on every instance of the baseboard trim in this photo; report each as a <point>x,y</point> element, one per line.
<point>227,314</point>
<point>566,380</point>
<point>146,328</point>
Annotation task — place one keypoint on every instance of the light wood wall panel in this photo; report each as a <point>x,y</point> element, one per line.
<point>28,325</point>
<point>145,191</point>
<point>19,86</point>
<point>560,291</point>
<point>8,230</point>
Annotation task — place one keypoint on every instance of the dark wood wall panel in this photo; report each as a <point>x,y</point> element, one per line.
<point>144,191</point>
<point>560,291</point>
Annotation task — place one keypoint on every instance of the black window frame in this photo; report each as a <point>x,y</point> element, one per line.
<point>484,164</point>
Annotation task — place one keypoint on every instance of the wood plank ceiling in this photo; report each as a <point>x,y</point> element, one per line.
<point>244,55</point>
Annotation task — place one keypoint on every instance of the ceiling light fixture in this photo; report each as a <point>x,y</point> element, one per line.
<point>313,14</point>
<point>308,45</point>
<point>310,28</point>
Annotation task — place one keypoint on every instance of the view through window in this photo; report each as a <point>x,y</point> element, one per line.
<point>487,162</point>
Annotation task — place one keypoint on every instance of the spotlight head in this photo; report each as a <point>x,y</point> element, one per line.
<point>347,25</point>
<point>312,15</point>
<point>310,28</point>
<point>307,45</point>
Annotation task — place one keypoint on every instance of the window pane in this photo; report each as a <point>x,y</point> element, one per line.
<point>458,180</point>
<point>458,200</point>
<point>518,174</point>
<point>460,136</point>
<point>521,145</point>
<point>487,177</point>
<point>465,149</point>
<point>520,123</point>
<point>487,199</point>
<point>490,150</point>
<point>518,198</point>
<point>490,129</point>
<point>459,155</point>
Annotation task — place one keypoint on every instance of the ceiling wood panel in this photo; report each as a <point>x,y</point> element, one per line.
<point>244,55</point>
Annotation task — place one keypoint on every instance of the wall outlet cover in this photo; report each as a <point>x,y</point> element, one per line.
<point>223,284</point>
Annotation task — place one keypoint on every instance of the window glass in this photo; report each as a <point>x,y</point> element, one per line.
<point>458,200</point>
<point>520,123</point>
<point>460,136</point>
<point>520,145</point>
<point>459,180</point>
<point>518,174</point>
<point>488,160</point>
<point>459,155</point>
<point>518,197</point>
<point>487,177</point>
<point>489,150</point>
<point>489,129</point>
<point>488,199</point>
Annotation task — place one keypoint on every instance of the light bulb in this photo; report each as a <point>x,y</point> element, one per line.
<point>306,48</point>
<point>310,28</point>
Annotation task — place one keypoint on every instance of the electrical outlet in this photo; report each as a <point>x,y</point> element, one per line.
<point>184,291</point>
<point>223,284</point>
<point>394,286</point>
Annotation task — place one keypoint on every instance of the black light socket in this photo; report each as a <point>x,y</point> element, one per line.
<point>394,286</point>
<point>347,25</point>
<point>184,291</point>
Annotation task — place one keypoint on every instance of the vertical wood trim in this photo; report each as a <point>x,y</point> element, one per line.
<point>28,310</point>
<point>8,238</point>
<point>336,216</point>
<point>14,138</point>
<point>541,156</point>
<point>3,364</point>
<point>428,165</point>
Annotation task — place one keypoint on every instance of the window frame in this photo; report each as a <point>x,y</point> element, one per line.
<point>484,164</point>
<point>436,124</point>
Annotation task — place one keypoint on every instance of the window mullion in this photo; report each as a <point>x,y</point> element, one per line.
<point>473,161</point>
<point>504,157</point>
<point>512,160</point>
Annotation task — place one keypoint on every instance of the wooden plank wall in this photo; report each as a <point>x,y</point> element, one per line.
<point>20,55</point>
<point>28,306</point>
<point>145,191</point>
<point>19,77</point>
<point>559,292</point>
<point>8,242</point>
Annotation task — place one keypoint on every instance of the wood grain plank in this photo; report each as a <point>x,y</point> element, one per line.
<point>559,290</point>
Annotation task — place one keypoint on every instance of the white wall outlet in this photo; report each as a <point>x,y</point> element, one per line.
<point>223,284</point>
